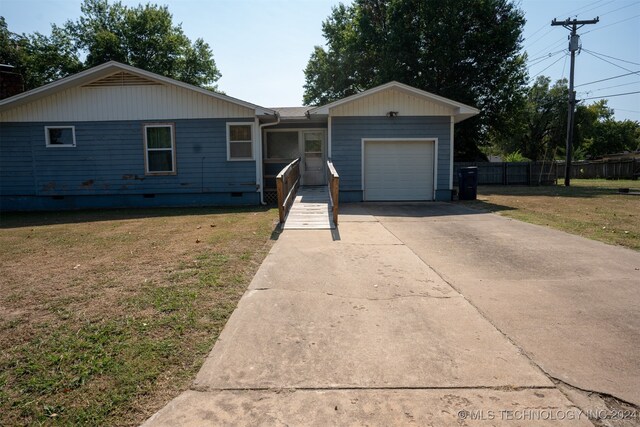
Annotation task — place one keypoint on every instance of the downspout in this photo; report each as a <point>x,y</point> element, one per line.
<point>260,159</point>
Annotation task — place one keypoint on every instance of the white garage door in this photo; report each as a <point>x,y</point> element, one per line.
<point>398,170</point>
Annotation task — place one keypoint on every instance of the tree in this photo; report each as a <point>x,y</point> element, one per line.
<point>599,133</point>
<point>543,126</point>
<point>541,123</point>
<point>142,36</point>
<point>38,58</point>
<point>466,50</point>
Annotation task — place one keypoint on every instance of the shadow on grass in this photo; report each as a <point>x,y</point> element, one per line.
<point>30,219</point>
<point>483,206</point>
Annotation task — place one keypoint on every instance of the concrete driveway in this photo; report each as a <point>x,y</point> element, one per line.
<point>424,315</point>
<point>571,304</point>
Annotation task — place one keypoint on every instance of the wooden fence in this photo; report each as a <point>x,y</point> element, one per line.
<point>543,173</point>
<point>512,173</point>
<point>604,169</point>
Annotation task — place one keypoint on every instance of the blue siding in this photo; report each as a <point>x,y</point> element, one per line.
<point>108,160</point>
<point>346,147</point>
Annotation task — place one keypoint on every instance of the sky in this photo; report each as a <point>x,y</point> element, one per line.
<point>262,46</point>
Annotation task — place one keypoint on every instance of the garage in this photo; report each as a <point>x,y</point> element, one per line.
<point>398,170</point>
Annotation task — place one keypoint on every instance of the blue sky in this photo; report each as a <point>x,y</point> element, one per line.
<point>262,46</point>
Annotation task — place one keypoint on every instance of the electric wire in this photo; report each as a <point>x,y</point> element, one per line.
<point>543,60</point>
<point>620,8</point>
<point>609,78</point>
<point>613,23</point>
<point>611,95</point>
<point>612,57</point>
<point>607,61</point>
<point>549,66</point>
<point>610,87</point>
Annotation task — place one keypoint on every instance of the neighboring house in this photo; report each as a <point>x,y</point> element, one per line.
<point>119,136</point>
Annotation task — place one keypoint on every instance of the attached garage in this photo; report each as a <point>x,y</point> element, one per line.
<point>399,170</point>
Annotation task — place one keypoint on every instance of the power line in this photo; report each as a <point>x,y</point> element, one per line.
<point>593,8</point>
<point>610,87</point>
<point>549,66</point>
<point>612,57</point>
<point>609,78</point>
<point>580,8</point>
<point>607,61</point>
<point>611,96</point>
<point>544,59</point>
<point>564,65</point>
<point>615,10</point>
<point>551,46</point>
<point>614,23</point>
<point>548,55</point>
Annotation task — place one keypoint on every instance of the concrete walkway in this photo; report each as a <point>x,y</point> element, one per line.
<point>351,327</point>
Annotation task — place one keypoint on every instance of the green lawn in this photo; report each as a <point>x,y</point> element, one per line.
<point>592,208</point>
<point>105,316</point>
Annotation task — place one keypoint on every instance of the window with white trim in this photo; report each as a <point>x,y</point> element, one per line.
<point>239,141</point>
<point>60,136</point>
<point>160,149</point>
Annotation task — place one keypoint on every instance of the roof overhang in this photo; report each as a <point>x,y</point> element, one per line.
<point>459,111</point>
<point>107,69</point>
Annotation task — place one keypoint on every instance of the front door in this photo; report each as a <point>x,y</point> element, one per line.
<point>313,168</point>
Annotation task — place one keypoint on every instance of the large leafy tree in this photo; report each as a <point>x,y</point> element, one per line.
<point>39,59</point>
<point>142,36</point>
<point>466,50</point>
<point>599,133</point>
<point>540,126</point>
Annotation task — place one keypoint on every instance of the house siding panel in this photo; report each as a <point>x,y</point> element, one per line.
<point>109,160</point>
<point>380,103</point>
<point>346,146</point>
<point>157,102</point>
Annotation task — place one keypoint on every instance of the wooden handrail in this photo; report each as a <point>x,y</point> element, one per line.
<point>334,189</point>
<point>287,183</point>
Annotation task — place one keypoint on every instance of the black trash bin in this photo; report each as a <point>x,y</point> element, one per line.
<point>468,183</point>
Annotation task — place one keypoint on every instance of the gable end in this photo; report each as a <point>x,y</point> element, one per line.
<point>122,78</point>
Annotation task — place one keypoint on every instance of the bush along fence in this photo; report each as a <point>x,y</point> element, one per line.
<point>545,173</point>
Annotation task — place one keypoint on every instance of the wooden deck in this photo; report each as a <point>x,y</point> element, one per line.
<point>311,210</point>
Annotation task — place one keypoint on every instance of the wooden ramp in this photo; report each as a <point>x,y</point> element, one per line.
<point>311,210</point>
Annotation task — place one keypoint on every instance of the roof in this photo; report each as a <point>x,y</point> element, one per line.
<point>292,113</point>
<point>107,69</point>
<point>461,111</point>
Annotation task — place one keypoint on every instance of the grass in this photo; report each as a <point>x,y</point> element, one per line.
<point>105,316</point>
<point>590,208</point>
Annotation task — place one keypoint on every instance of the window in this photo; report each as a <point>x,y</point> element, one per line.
<point>239,141</point>
<point>160,153</point>
<point>60,136</point>
<point>282,145</point>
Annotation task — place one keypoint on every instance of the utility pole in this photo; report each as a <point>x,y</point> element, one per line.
<point>574,44</point>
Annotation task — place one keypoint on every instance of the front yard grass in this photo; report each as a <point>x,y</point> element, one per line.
<point>591,208</point>
<point>105,316</point>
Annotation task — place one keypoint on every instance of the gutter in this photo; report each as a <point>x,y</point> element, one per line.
<point>261,161</point>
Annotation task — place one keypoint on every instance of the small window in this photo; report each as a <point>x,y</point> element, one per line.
<point>239,141</point>
<point>60,136</point>
<point>160,153</point>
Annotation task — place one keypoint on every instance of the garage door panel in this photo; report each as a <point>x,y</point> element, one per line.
<point>398,170</point>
